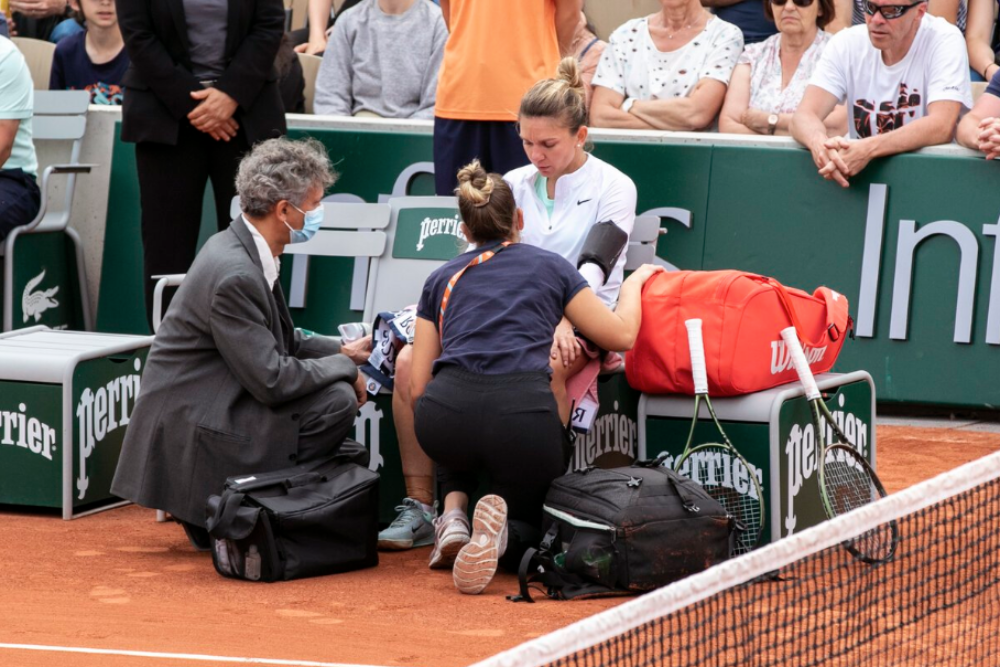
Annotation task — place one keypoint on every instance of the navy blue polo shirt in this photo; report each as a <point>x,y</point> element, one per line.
<point>502,313</point>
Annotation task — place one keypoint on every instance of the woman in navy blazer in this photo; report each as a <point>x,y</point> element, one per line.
<point>194,107</point>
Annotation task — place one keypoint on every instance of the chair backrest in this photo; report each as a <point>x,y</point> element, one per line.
<point>423,234</point>
<point>642,243</point>
<point>978,88</point>
<point>310,69</point>
<point>349,229</point>
<point>60,115</point>
<point>606,16</point>
<point>299,13</point>
<point>38,54</point>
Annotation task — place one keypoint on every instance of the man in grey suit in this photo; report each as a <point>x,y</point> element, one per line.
<point>230,386</point>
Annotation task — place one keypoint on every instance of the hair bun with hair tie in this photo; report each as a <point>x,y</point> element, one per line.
<point>483,203</point>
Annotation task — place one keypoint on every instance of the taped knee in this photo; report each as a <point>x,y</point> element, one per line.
<point>603,246</point>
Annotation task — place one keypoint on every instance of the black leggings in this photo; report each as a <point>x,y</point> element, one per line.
<point>505,425</point>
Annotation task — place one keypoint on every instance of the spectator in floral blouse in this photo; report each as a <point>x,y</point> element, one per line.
<point>667,71</point>
<point>771,76</point>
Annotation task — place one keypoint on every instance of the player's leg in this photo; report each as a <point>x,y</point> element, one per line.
<point>560,375</point>
<point>413,526</point>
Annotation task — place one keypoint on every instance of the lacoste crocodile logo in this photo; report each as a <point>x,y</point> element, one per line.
<point>35,303</point>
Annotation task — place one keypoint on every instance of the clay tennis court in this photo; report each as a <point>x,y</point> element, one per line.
<point>133,592</point>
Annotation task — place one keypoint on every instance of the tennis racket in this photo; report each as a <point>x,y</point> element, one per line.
<point>718,467</point>
<point>846,480</point>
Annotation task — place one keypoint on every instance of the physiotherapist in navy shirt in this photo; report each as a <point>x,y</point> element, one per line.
<point>480,377</point>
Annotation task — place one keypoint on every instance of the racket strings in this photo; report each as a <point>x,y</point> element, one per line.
<point>727,479</point>
<point>848,486</point>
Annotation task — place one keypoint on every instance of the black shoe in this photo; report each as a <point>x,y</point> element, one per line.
<point>197,535</point>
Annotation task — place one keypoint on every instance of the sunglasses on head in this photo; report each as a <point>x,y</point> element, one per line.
<point>888,11</point>
<point>798,3</point>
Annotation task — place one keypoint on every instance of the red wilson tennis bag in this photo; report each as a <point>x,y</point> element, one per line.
<point>743,316</point>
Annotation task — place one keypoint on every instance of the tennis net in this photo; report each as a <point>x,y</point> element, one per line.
<point>806,600</point>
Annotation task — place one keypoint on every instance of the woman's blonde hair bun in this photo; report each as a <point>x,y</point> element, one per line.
<point>474,184</point>
<point>563,98</point>
<point>569,72</point>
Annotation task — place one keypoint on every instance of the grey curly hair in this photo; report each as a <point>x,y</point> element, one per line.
<point>279,169</point>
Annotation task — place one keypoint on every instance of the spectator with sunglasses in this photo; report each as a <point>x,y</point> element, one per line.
<point>771,76</point>
<point>852,12</point>
<point>905,79</point>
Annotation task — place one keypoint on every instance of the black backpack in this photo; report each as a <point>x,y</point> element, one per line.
<point>303,521</point>
<point>625,530</point>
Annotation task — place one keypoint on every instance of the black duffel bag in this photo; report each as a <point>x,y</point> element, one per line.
<point>294,523</point>
<point>625,530</point>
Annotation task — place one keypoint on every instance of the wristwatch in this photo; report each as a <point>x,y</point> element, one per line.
<point>627,104</point>
<point>772,123</point>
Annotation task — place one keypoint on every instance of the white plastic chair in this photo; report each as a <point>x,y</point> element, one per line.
<point>60,115</point>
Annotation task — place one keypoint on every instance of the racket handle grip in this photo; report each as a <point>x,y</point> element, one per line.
<point>697,346</point>
<point>791,337</point>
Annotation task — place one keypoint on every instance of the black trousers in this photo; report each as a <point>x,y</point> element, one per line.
<point>325,418</point>
<point>20,200</point>
<point>172,183</point>
<point>496,144</point>
<point>504,425</point>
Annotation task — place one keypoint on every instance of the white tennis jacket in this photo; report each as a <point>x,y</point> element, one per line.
<point>596,192</point>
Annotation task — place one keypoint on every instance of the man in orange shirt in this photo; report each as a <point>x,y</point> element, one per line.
<point>495,52</point>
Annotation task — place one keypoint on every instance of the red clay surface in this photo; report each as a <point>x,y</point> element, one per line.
<point>120,581</point>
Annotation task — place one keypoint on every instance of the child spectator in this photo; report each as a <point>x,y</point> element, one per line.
<point>94,60</point>
<point>382,59</point>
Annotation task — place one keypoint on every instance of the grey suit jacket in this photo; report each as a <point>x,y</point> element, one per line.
<point>219,392</point>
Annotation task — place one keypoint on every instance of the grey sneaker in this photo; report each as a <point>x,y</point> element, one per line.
<point>476,562</point>
<point>414,527</point>
<point>451,533</point>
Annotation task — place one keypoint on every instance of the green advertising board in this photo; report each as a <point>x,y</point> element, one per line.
<point>911,243</point>
<point>45,286</point>
<point>104,393</point>
<point>799,505</point>
<point>31,426</point>
<point>65,402</point>
<point>613,439</point>
<point>669,435</point>
<point>374,429</point>
<point>427,233</point>
<point>773,430</point>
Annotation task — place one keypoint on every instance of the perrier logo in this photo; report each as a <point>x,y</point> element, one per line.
<point>99,413</point>
<point>17,429</point>
<point>437,226</point>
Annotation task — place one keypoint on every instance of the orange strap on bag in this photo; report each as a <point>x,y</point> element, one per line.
<point>478,259</point>
<point>743,315</point>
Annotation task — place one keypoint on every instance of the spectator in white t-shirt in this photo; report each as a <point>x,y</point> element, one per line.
<point>905,80</point>
<point>666,71</point>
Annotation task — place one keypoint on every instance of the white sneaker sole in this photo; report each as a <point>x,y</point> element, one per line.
<point>476,562</point>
